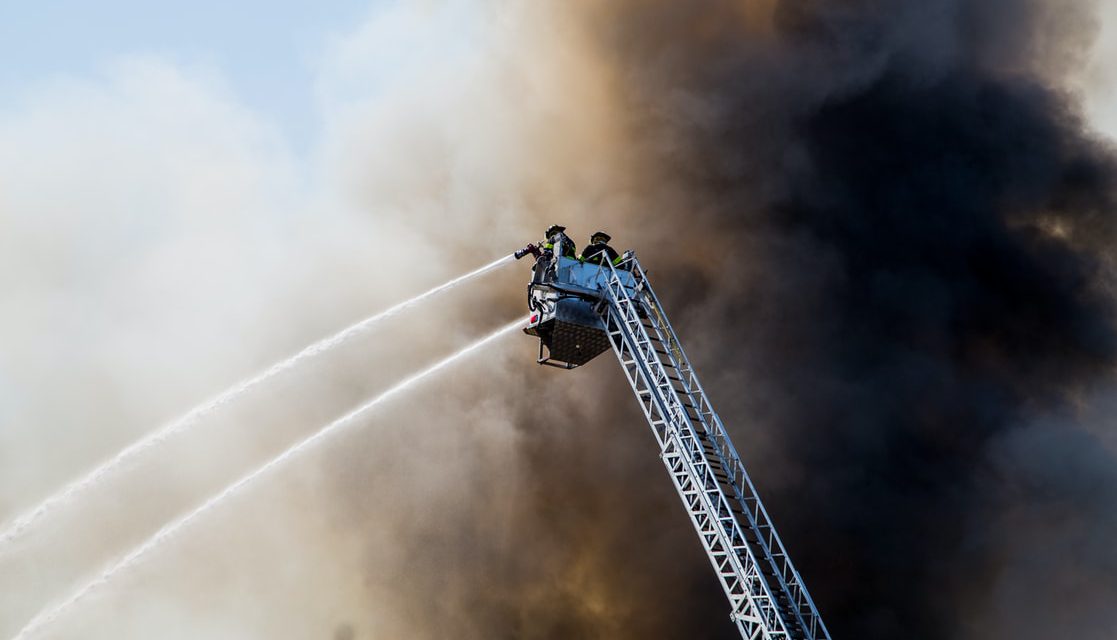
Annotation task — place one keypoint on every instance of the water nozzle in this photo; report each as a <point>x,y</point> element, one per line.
<point>531,248</point>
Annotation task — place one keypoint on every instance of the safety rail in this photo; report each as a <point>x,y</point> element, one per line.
<point>766,592</point>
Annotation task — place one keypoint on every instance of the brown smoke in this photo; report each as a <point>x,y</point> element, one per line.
<point>882,231</point>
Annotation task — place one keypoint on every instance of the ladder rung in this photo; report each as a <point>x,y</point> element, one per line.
<point>703,466</point>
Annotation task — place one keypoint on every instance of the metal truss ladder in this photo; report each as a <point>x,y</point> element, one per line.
<point>767,596</point>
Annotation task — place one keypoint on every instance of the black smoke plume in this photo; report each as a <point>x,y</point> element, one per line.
<point>903,230</point>
<point>884,233</point>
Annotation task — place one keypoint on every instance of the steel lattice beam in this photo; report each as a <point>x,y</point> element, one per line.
<point>766,594</point>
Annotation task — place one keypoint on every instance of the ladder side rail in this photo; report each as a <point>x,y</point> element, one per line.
<point>736,581</point>
<point>723,441</point>
<point>790,577</point>
<point>639,378</point>
<point>790,581</point>
<point>636,333</point>
<point>705,408</point>
<point>796,586</point>
<point>787,582</point>
<point>739,478</point>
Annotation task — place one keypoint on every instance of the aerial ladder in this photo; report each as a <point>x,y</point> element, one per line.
<point>579,310</point>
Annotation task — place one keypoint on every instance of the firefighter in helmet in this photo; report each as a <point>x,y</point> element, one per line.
<point>555,244</point>
<point>558,242</point>
<point>599,252</point>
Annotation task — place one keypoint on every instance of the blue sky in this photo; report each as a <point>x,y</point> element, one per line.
<point>266,51</point>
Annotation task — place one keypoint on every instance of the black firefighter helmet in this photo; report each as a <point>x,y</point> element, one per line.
<point>553,229</point>
<point>600,235</point>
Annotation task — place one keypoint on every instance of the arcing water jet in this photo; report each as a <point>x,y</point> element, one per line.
<point>48,615</point>
<point>21,523</point>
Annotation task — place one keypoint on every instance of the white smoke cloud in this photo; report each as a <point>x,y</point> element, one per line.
<point>161,240</point>
<point>138,207</point>
<point>148,231</point>
<point>1101,73</point>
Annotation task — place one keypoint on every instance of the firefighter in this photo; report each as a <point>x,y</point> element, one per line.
<point>556,237</point>
<point>546,254</point>
<point>599,252</point>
